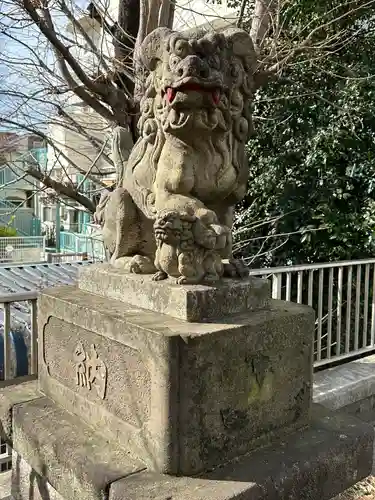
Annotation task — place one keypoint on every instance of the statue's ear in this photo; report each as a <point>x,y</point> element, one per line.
<point>241,43</point>
<point>152,47</point>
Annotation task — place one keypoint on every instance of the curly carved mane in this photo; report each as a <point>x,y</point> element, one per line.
<point>230,126</point>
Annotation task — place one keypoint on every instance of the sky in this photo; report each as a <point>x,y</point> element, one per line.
<point>24,85</point>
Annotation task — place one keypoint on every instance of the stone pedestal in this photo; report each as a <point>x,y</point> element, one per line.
<point>129,397</point>
<point>194,303</point>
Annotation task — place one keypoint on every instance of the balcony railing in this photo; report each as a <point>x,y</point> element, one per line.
<point>24,225</point>
<point>13,178</point>
<point>343,296</point>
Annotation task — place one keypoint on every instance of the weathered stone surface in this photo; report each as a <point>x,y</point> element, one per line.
<point>172,211</point>
<point>182,397</point>
<point>127,388</point>
<point>314,464</point>
<point>26,484</point>
<point>191,303</point>
<point>10,395</point>
<point>77,462</point>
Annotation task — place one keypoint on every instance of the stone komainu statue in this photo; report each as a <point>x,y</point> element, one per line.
<point>172,212</point>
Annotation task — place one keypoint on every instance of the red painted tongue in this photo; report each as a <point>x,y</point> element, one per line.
<point>216,96</point>
<point>170,94</point>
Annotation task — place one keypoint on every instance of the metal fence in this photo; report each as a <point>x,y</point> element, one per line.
<point>58,258</point>
<point>82,243</point>
<point>22,249</point>
<point>9,368</point>
<point>18,322</point>
<point>343,296</point>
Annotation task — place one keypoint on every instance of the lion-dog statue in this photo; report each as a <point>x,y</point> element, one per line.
<point>172,212</point>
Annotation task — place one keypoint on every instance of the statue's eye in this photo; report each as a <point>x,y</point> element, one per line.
<point>173,61</point>
<point>181,48</point>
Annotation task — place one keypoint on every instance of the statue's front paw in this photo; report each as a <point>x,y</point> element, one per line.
<point>235,269</point>
<point>187,280</point>
<point>140,264</point>
<point>159,276</point>
<point>211,279</point>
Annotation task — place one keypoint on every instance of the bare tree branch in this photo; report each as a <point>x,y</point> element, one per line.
<point>61,188</point>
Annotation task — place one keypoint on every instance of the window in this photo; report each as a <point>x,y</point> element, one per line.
<point>6,175</point>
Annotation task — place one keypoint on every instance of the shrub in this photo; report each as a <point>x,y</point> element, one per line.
<point>7,232</point>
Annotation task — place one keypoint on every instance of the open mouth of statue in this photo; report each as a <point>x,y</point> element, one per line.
<point>171,93</point>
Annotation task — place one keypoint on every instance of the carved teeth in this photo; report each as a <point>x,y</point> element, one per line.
<point>171,92</point>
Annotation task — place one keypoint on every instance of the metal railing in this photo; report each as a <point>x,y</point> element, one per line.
<point>58,258</point>
<point>9,369</point>
<point>82,243</point>
<point>19,327</point>
<point>343,296</point>
<point>22,249</point>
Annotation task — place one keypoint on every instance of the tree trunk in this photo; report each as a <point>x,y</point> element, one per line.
<point>265,12</point>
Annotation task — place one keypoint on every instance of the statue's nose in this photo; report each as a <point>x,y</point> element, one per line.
<point>192,66</point>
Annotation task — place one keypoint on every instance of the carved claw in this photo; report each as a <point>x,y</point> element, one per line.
<point>235,269</point>
<point>184,280</point>
<point>159,276</point>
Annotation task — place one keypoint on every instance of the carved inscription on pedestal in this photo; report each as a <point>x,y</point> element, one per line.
<point>91,371</point>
